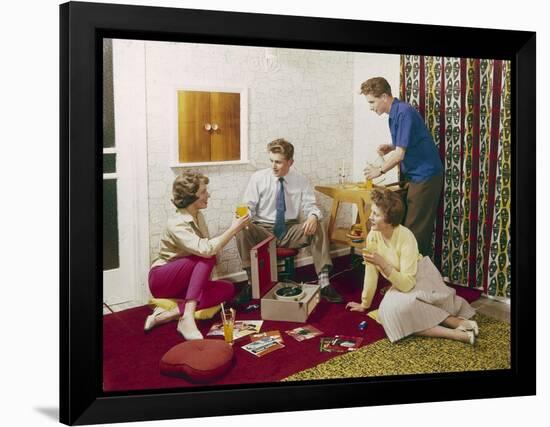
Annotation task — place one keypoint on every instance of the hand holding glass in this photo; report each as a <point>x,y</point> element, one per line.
<point>241,210</point>
<point>367,250</point>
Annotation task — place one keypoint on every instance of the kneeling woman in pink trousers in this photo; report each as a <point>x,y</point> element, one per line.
<point>186,258</point>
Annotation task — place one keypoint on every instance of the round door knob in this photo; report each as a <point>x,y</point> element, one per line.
<point>215,127</point>
<point>208,127</point>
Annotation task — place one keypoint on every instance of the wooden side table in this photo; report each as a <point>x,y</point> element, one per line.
<point>347,193</point>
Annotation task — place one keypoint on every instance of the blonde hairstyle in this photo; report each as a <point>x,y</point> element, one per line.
<point>390,203</point>
<point>281,146</point>
<point>185,187</point>
<point>376,86</point>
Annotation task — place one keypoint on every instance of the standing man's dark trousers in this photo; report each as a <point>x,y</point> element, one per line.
<point>294,238</point>
<point>422,203</point>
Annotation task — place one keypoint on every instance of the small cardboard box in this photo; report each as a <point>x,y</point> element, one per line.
<point>263,258</point>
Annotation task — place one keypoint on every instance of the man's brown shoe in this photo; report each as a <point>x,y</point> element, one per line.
<point>244,296</point>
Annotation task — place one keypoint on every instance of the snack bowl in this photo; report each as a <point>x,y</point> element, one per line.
<point>356,233</point>
<point>357,228</point>
<point>355,237</point>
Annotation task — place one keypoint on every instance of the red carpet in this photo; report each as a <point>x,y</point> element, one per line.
<point>131,357</point>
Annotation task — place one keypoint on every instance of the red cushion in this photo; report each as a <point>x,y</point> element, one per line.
<point>198,360</point>
<point>286,252</point>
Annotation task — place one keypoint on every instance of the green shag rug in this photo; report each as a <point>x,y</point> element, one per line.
<point>420,355</point>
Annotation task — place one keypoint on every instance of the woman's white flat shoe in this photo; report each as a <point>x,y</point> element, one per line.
<point>153,319</point>
<point>471,334</point>
<point>471,337</point>
<point>189,333</point>
<point>471,325</point>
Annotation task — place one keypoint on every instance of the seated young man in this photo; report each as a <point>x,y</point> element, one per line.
<point>275,197</point>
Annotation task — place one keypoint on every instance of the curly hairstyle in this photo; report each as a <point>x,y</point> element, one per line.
<point>185,187</point>
<point>376,86</point>
<point>283,147</point>
<point>390,203</point>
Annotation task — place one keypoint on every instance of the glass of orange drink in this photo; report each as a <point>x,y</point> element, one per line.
<point>241,210</point>
<point>228,318</point>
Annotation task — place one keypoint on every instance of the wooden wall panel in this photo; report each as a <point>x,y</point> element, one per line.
<point>193,138</point>
<point>225,112</point>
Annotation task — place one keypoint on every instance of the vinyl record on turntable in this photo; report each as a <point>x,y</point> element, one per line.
<point>289,293</point>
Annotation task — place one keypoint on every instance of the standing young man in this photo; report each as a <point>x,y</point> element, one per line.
<point>275,197</point>
<point>414,150</point>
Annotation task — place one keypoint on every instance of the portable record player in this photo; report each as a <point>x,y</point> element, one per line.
<point>282,301</point>
<point>290,292</point>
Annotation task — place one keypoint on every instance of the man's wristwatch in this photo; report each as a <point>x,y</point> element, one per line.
<point>381,171</point>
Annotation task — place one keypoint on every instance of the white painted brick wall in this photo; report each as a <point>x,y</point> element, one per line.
<point>309,101</point>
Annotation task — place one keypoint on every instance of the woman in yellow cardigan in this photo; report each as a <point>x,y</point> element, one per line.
<point>418,301</point>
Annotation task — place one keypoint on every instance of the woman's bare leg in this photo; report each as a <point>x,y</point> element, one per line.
<point>186,325</point>
<point>452,322</point>
<point>443,332</point>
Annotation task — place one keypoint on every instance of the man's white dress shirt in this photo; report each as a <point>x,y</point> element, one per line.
<point>260,196</point>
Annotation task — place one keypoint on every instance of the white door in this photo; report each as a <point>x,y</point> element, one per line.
<point>125,207</point>
<point>118,228</point>
<point>119,265</point>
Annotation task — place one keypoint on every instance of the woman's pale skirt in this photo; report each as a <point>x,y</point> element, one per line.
<point>425,306</point>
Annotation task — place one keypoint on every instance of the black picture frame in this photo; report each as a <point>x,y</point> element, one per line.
<point>82,28</point>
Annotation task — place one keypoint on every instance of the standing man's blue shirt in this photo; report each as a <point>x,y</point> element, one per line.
<point>409,131</point>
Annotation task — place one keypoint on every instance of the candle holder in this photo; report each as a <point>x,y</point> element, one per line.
<point>342,176</point>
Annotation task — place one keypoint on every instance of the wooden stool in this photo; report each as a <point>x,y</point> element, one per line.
<point>287,255</point>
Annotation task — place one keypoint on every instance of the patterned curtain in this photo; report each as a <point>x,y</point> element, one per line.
<point>466,105</point>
